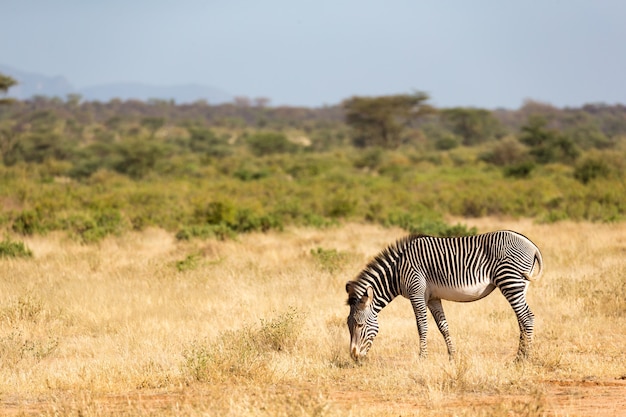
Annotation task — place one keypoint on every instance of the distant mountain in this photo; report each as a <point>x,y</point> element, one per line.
<point>33,84</point>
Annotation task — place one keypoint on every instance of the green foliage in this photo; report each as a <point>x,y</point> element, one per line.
<point>94,170</point>
<point>206,142</point>
<point>381,121</point>
<point>13,249</point>
<point>95,226</point>
<point>340,205</point>
<point>6,82</point>
<point>472,125</point>
<point>507,151</point>
<point>371,159</point>
<point>267,143</point>
<point>206,231</point>
<point>29,222</point>
<point>447,141</point>
<point>547,145</point>
<point>153,124</point>
<point>136,158</point>
<point>519,170</point>
<point>249,171</point>
<point>329,260</point>
<point>221,219</point>
<point>419,225</point>
<point>190,262</point>
<point>590,168</point>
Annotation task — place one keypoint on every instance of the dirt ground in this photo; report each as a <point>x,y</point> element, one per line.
<point>551,398</point>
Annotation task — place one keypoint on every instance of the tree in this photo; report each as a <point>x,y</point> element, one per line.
<point>547,145</point>
<point>473,125</point>
<point>204,141</point>
<point>6,82</point>
<point>381,121</point>
<point>153,124</point>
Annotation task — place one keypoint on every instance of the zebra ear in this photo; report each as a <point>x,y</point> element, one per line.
<point>367,298</point>
<point>349,287</point>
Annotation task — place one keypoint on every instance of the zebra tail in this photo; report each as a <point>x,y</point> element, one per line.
<point>537,261</point>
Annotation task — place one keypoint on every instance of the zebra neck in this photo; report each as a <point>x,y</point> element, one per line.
<point>382,276</point>
<point>385,290</point>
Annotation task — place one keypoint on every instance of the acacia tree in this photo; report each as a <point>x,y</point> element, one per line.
<point>6,82</point>
<point>381,121</point>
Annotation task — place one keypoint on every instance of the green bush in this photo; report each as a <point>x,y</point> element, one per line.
<point>329,260</point>
<point>29,222</point>
<point>591,168</point>
<point>267,143</point>
<point>340,205</point>
<point>12,249</point>
<point>447,141</point>
<point>190,262</point>
<point>428,226</point>
<point>370,158</point>
<point>92,227</point>
<point>206,231</point>
<point>519,170</point>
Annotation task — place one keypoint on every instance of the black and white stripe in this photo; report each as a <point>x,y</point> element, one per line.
<point>427,269</point>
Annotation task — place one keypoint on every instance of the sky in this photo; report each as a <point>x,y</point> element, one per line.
<point>479,53</point>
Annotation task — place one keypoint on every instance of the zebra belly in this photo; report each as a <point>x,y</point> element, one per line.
<point>463,293</point>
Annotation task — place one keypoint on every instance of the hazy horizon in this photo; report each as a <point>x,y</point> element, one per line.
<point>481,54</point>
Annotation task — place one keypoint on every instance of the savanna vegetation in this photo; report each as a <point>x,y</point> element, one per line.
<point>145,324</point>
<point>190,259</point>
<point>198,170</point>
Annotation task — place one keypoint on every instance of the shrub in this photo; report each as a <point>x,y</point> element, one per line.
<point>242,353</point>
<point>206,231</point>
<point>340,205</point>
<point>246,220</point>
<point>248,172</point>
<point>216,212</point>
<point>428,226</point>
<point>12,249</point>
<point>190,262</point>
<point>447,141</point>
<point>329,260</point>
<point>506,152</point>
<point>519,170</point>
<point>29,222</point>
<point>267,143</point>
<point>92,227</point>
<point>370,159</point>
<point>591,168</point>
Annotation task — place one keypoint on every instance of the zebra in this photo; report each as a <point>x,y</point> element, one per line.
<point>428,269</point>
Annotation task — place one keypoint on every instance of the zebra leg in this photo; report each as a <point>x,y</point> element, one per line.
<point>516,296</point>
<point>436,310</point>
<point>419,308</point>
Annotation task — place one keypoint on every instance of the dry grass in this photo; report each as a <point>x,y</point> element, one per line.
<point>145,325</point>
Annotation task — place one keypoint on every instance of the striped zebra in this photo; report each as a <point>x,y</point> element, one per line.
<point>428,269</point>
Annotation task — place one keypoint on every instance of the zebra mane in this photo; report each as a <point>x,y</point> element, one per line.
<point>388,256</point>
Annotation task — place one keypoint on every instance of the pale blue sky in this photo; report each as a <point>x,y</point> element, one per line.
<point>462,53</point>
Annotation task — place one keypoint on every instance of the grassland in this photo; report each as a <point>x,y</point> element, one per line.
<point>145,324</point>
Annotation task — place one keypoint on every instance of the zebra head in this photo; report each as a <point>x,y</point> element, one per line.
<point>362,321</point>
